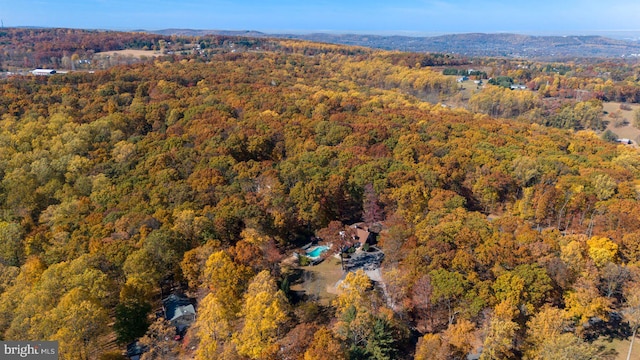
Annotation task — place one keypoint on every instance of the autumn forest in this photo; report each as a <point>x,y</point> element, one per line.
<point>509,219</point>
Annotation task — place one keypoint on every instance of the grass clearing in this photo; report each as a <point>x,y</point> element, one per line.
<point>620,347</point>
<point>466,89</point>
<point>319,281</point>
<point>627,131</point>
<point>130,52</point>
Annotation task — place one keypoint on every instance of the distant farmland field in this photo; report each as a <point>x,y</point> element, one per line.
<point>129,52</point>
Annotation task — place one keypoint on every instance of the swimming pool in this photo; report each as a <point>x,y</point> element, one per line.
<point>317,251</point>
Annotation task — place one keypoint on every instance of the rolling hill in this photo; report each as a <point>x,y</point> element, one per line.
<point>471,44</point>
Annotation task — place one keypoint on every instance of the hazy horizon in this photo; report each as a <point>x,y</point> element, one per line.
<point>403,17</point>
<point>614,34</point>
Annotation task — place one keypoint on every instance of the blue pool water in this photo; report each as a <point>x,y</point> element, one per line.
<point>317,251</point>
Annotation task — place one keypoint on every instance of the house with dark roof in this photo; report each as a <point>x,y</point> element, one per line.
<point>135,350</point>
<point>179,311</point>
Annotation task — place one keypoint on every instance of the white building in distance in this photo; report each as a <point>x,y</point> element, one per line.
<point>43,72</point>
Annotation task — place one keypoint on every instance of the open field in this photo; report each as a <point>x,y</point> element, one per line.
<point>621,347</point>
<point>467,88</point>
<point>130,52</point>
<point>319,281</point>
<point>628,131</point>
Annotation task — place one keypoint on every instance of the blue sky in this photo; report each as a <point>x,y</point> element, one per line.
<point>370,16</point>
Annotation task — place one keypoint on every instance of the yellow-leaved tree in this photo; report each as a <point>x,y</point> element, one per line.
<point>227,280</point>
<point>585,302</point>
<point>80,322</point>
<point>265,312</point>
<point>431,347</point>
<point>213,327</point>
<point>353,308</point>
<point>325,346</point>
<point>547,338</point>
<point>602,250</point>
<point>219,310</point>
<point>500,341</point>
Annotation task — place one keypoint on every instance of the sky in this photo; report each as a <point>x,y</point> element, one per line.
<point>407,17</point>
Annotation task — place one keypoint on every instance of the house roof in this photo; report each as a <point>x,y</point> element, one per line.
<point>362,232</point>
<point>136,349</point>
<point>181,311</point>
<point>177,305</point>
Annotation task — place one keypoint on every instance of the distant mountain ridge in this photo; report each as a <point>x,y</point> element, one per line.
<point>480,44</point>
<point>470,44</point>
<point>191,32</point>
